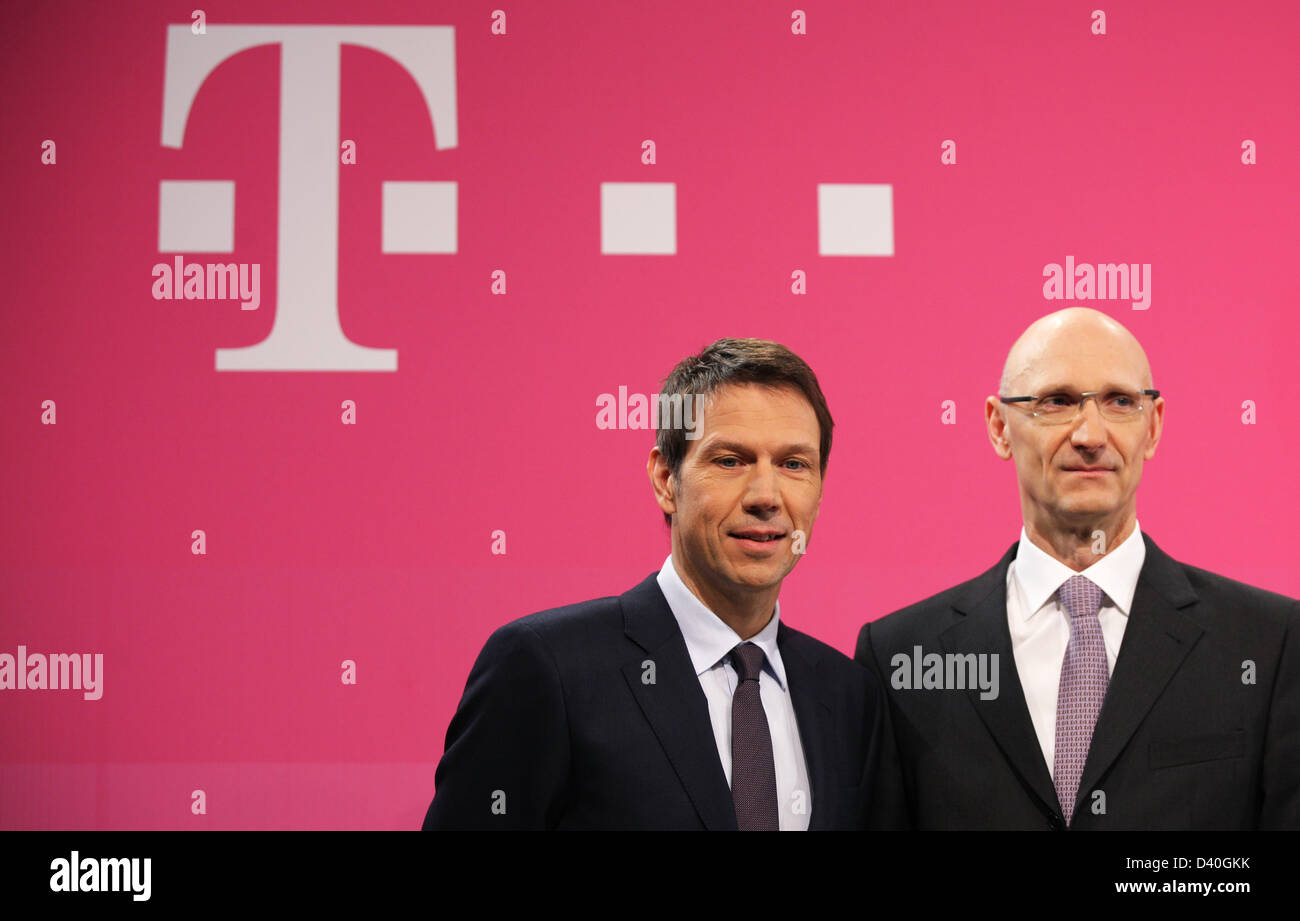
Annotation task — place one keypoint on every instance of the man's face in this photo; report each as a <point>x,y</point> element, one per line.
<point>1087,470</point>
<point>746,486</point>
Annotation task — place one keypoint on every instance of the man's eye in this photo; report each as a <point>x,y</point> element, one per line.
<point>797,463</point>
<point>728,461</point>
<point>1056,399</point>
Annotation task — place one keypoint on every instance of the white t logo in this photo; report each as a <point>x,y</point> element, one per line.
<point>306,335</point>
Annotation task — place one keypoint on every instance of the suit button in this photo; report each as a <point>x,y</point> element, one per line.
<point>1056,823</point>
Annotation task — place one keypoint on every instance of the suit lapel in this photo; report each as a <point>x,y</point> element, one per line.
<point>812,712</point>
<point>674,704</point>
<point>981,627</point>
<point>1157,639</point>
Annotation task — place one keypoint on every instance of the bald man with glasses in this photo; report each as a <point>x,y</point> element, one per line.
<point>1088,680</point>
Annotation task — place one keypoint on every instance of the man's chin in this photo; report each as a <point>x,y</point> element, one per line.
<point>1085,507</point>
<point>759,575</point>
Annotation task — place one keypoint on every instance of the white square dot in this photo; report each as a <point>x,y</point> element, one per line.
<point>855,219</point>
<point>638,218</point>
<point>419,217</point>
<point>196,216</point>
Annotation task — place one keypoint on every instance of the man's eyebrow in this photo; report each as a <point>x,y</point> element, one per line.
<point>735,447</point>
<point>1070,388</point>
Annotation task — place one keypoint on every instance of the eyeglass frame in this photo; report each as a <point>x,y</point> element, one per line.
<point>1083,397</point>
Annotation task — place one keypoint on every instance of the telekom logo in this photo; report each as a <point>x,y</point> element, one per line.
<point>306,335</point>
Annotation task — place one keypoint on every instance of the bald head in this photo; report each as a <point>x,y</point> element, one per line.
<point>1077,337</point>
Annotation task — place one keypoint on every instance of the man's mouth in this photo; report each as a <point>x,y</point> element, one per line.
<point>761,536</point>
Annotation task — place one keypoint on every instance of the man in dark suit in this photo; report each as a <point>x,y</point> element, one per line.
<point>1088,680</point>
<point>685,702</point>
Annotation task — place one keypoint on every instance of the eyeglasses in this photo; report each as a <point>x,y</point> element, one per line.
<point>1059,408</point>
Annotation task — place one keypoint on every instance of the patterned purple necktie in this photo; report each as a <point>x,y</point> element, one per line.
<point>753,769</point>
<point>1084,678</point>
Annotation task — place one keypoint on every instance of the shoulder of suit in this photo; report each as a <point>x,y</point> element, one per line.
<point>812,647</point>
<point>569,620</point>
<point>1239,598</point>
<point>917,618</point>
<point>823,656</point>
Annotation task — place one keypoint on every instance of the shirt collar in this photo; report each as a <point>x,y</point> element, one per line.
<point>1116,573</point>
<point>708,638</point>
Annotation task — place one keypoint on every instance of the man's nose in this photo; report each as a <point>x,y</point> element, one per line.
<point>761,490</point>
<point>1089,429</point>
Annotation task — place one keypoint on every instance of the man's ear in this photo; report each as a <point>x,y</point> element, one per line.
<point>996,423</point>
<point>661,481</point>
<point>1157,427</point>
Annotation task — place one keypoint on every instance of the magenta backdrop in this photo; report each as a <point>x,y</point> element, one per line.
<point>372,542</point>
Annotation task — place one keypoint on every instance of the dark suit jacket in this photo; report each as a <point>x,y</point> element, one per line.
<point>1182,742</point>
<point>560,716</point>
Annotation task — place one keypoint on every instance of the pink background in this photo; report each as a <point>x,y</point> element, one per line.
<point>372,542</point>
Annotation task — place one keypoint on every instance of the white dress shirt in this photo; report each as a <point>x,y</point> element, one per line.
<point>708,641</point>
<point>1040,627</point>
